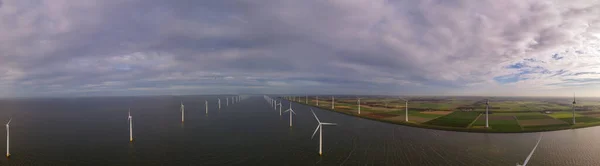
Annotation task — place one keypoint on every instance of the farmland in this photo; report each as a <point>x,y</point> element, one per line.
<point>466,113</point>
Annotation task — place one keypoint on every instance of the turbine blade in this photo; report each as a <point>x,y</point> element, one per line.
<point>330,124</point>
<point>9,121</point>
<point>531,154</point>
<point>313,112</point>
<point>317,129</point>
<point>293,111</point>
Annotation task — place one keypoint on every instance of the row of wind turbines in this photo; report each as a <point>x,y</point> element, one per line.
<point>274,103</point>
<point>233,99</point>
<point>297,99</point>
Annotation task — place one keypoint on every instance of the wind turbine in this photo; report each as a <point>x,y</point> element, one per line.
<point>130,120</point>
<point>332,103</point>
<point>487,107</point>
<point>531,153</point>
<point>306,101</point>
<point>7,136</point>
<point>291,111</point>
<point>358,105</point>
<point>574,109</point>
<point>317,100</point>
<point>227,98</point>
<point>279,108</point>
<point>206,106</point>
<point>406,109</point>
<point>320,129</point>
<point>219,103</point>
<point>182,112</point>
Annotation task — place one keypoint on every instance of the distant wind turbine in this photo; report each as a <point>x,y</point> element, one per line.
<point>317,100</point>
<point>574,109</point>
<point>206,106</point>
<point>531,153</point>
<point>306,100</point>
<point>320,129</point>
<point>227,98</point>
<point>406,110</point>
<point>358,105</point>
<point>219,103</point>
<point>7,137</point>
<point>291,111</point>
<point>182,112</point>
<point>279,108</point>
<point>487,113</point>
<point>130,120</point>
<point>332,103</point>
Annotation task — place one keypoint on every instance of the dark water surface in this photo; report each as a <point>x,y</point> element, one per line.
<point>94,131</point>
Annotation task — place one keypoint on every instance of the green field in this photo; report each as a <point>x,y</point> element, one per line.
<point>461,114</point>
<point>498,125</point>
<point>455,119</point>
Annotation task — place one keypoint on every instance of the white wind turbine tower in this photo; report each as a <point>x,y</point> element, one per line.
<point>291,111</point>
<point>332,103</point>
<point>531,153</point>
<point>406,109</point>
<point>306,101</point>
<point>182,112</point>
<point>279,108</point>
<point>358,105</point>
<point>574,109</point>
<point>320,129</point>
<point>206,106</point>
<point>7,137</point>
<point>317,100</point>
<point>487,114</point>
<point>130,120</point>
<point>219,103</point>
<point>227,98</point>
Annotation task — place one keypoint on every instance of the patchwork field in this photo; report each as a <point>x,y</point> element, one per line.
<point>467,113</point>
<point>455,119</point>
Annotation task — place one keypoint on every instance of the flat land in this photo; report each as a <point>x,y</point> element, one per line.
<point>468,113</point>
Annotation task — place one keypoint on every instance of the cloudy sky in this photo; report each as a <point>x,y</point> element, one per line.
<point>396,47</point>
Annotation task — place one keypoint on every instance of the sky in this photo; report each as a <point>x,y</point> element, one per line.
<point>363,47</point>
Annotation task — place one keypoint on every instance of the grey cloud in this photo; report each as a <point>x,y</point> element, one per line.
<point>393,47</point>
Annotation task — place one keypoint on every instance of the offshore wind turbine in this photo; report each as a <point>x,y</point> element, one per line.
<point>130,120</point>
<point>279,108</point>
<point>291,111</point>
<point>182,112</point>
<point>574,109</point>
<point>487,107</point>
<point>531,153</point>
<point>320,129</point>
<point>7,137</point>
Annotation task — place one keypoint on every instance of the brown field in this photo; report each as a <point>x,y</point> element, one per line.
<point>540,122</point>
<point>436,112</point>
<point>342,107</point>
<point>410,118</point>
<point>502,117</point>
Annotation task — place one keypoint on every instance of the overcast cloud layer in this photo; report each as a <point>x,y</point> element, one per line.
<point>400,47</point>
